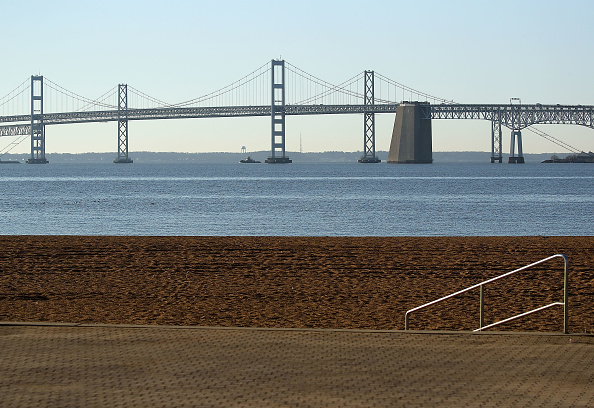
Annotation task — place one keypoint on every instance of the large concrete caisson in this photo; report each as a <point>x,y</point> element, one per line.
<point>411,137</point>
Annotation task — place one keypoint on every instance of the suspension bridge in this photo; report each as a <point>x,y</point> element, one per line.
<point>278,89</point>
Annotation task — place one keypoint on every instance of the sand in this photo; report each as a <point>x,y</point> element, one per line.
<point>292,282</point>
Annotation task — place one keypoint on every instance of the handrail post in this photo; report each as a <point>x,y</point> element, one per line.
<point>565,296</point>
<point>406,321</point>
<point>482,307</point>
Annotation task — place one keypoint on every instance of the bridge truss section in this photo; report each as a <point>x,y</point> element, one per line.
<point>520,116</point>
<point>15,130</point>
<point>515,117</point>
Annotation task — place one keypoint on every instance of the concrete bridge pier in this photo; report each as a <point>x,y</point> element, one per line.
<point>516,135</point>
<point>411,136</point>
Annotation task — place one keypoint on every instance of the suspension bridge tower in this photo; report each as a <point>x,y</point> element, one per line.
<point>123,125</point>
<point>277,114</point>
<point>37,125</point>
<point>369,122</point>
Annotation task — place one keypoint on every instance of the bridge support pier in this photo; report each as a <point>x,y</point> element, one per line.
<point>369,122</point>
<point>496,142</point>
<point>516,135</point>
<point>122,125</point>
<point>411,137</point>
<point>277,115</point>
<point>37,125</point>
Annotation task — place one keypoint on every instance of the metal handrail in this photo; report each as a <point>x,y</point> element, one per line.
<point>482,298</point>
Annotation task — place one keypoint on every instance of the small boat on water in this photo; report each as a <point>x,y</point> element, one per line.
<point>249,160</point>
<point>10,162</point>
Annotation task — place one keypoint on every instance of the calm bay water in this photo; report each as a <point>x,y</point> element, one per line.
<point>298,199</point>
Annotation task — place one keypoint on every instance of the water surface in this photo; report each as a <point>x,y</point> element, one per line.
<point>298,199</point>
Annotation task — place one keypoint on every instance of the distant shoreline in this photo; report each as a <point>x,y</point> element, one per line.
<point>227,157</point>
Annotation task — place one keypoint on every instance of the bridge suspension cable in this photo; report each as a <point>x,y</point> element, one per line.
<point>254,89</point>
<point>78,102</point>
<point>101,101</point>
<point>307,89</point>
<point>556,141</point>
<point>12,145</point>
<point>258,81</point>
<point>139,99</point>
<point>16,101</point>
<point>385,82</point>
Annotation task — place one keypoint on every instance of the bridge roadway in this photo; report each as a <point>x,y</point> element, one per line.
<point>511,116</point>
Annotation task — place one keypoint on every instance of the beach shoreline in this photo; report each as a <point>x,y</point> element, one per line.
<point>292,282</point>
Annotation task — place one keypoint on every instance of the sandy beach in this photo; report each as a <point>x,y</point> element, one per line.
<point>292,282</point>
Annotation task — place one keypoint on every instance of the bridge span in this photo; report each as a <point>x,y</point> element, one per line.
<point>514,116</point>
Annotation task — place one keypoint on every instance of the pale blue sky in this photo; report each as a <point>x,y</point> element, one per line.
<point>467,51</point>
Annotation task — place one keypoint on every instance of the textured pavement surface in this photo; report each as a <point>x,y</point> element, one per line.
<point>120,366</point>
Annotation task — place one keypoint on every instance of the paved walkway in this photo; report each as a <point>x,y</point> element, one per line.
<point>116,366</point>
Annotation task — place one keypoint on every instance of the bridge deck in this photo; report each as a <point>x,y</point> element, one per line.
<point>511,116</point>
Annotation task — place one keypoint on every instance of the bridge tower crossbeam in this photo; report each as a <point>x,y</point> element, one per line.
<point>123,125</point>
<point>37,125</point>
<point>369,121</point>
